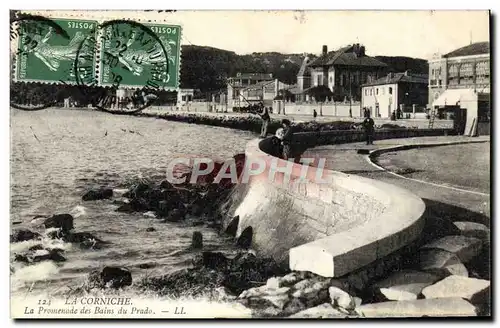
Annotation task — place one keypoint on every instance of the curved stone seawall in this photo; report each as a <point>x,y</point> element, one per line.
<point>332,225</point>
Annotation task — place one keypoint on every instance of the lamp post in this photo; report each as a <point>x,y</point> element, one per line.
<point>404,103</point>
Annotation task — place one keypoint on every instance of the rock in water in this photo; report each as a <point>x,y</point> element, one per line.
<point>197,241</point>
<point>150,229</point>
<point>146,265</point>
<point>62,221</point>
<point>165,184</point>
<point>138,191</point>
<point>215,260</point>
<point>98,194</point>
<point>175,215</point>
<point>23,235</point>
<point>51,255</point>
<point>21,258</point>
<point>85,239</point>
<point>57,234</point>
<point>245,239</point>
<point>35,247</point>
<point>126,208</point>
<point>116,277</point>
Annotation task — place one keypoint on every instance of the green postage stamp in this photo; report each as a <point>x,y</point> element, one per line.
<point>140,55</point>
<point>47,55</point>
<point>120,54</point>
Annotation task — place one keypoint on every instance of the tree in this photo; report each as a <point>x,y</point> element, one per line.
<point>320,93</point>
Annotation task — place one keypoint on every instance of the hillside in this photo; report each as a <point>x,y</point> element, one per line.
<point>401,64</point>
<point>207,68</point>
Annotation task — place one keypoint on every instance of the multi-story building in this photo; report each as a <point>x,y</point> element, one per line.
<point>405,91</point>
<point>242,81</point>
<point>264,92</point>
<point>464,68</point>
<point>459,84</point>
<point>248,88</point>
<point>343,71</point>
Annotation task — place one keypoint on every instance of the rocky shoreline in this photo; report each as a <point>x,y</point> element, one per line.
<point>444,273</point>
<point>254,124</point>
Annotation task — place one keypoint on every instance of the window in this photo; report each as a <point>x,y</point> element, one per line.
<point>466,73</point>
<point>319,79</point>
<point>390,90</point>
<point>371,92</point>
<point>331,79</point>
<point>377,91</point>
<point>453,74</point>
<point>482,72</point>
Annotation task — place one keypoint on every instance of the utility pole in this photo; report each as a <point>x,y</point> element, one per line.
<point>350,95</point>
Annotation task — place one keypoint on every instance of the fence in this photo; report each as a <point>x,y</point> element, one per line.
<point>198,106</point>
<point>325,109</point>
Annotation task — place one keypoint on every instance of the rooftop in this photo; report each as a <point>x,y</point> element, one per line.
<point>395,78</point>
<point>352,55</point>
<point>253,76</point>
<point>478,48</point>
<point>257,85</point>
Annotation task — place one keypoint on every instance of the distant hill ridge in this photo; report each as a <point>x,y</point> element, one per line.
<point>207,68</point>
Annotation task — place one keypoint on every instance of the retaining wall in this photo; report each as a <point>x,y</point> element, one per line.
<point>331,226</point>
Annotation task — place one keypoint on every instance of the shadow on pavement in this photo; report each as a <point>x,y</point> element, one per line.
<point>453,213</point>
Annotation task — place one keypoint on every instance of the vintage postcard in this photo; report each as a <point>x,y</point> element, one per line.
<point>250,164</point>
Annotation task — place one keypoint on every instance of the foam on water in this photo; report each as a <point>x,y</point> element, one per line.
<point>32,273</point>
<point>78,211</point>
<point>23,246</point>
<point>49,177</point>
<point>119,191</point>
<point>150,214</point>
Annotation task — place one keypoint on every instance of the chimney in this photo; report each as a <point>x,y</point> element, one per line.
<point>325,49</point>
<point>356,49</point>
<point>389,77</point>
<point>362,51</point>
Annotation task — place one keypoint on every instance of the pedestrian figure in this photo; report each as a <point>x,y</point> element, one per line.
<point>368,126</point>
<point>315,113</point>
<point>287,139</point>
<point>277,142</point>
<point>265,120</point>
<point>393,116</point>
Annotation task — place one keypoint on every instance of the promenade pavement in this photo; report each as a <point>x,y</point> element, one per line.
<point>441,201</point>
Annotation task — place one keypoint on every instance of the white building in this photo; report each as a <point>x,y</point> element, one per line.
<point>184,96</point>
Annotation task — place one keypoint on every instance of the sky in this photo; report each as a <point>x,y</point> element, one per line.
<point>418,34</point>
